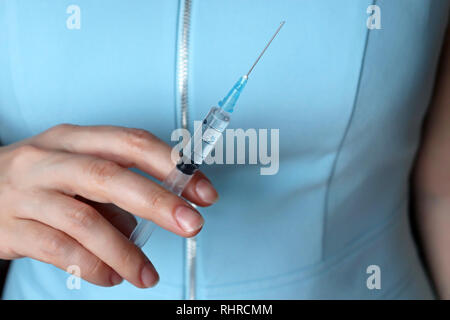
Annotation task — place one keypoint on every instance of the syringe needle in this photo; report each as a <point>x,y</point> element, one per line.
<point>265,48</point>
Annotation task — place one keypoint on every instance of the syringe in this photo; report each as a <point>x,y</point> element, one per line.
<point>212,128</point>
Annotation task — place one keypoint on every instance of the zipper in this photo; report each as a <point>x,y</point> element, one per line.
<point>183,61</point>
<point>184,22</point>
<point>191,259</point>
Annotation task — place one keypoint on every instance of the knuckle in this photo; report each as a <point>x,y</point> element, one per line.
<point>61,128</point>
<point>127,257</point>
<point>130,258</point>
<point>26,154</point>
<point>53,245</point>
<point>156,199</point>
<point>137,139</point>
<point>82,216</point>
<point>102,170</point>
<point>95,268</point>
<point>7,246</point>
<point>58,132</point>
<point>27,150</point>
<point>6,252</point>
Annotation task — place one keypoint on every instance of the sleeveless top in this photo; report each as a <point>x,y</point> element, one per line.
<point>348,101</point>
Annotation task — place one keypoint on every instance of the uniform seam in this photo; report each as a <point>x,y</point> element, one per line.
<point>341,144</point>
<point>308,272</point>
<point>177,49</point>
<point>12,14</point>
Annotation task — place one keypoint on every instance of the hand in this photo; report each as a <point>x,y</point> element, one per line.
<point>65,195</point>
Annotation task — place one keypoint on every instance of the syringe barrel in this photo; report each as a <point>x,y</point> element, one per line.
<point>176,181</point>
<point>206,136</point>
<point>209,133</point>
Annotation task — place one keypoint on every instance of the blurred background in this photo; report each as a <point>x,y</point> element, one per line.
<point>4,264</point>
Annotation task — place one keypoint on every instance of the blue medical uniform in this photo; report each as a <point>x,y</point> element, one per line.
<point>348,101</point>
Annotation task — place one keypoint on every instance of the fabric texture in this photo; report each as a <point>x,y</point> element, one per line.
<point>348,101</point>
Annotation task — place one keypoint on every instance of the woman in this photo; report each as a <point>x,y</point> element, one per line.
<point>348,98</point>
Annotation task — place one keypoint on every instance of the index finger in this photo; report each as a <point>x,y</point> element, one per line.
<point>129,147</point>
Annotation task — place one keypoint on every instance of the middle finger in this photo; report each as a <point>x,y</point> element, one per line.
<point>105,181</point>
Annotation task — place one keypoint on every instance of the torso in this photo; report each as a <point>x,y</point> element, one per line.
<point>348,102</point>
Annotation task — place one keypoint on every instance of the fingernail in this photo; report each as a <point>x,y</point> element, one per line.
<point>149,276</point>
<point>206,191</point>
<point>116,279</point>
<point>188,219</point>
